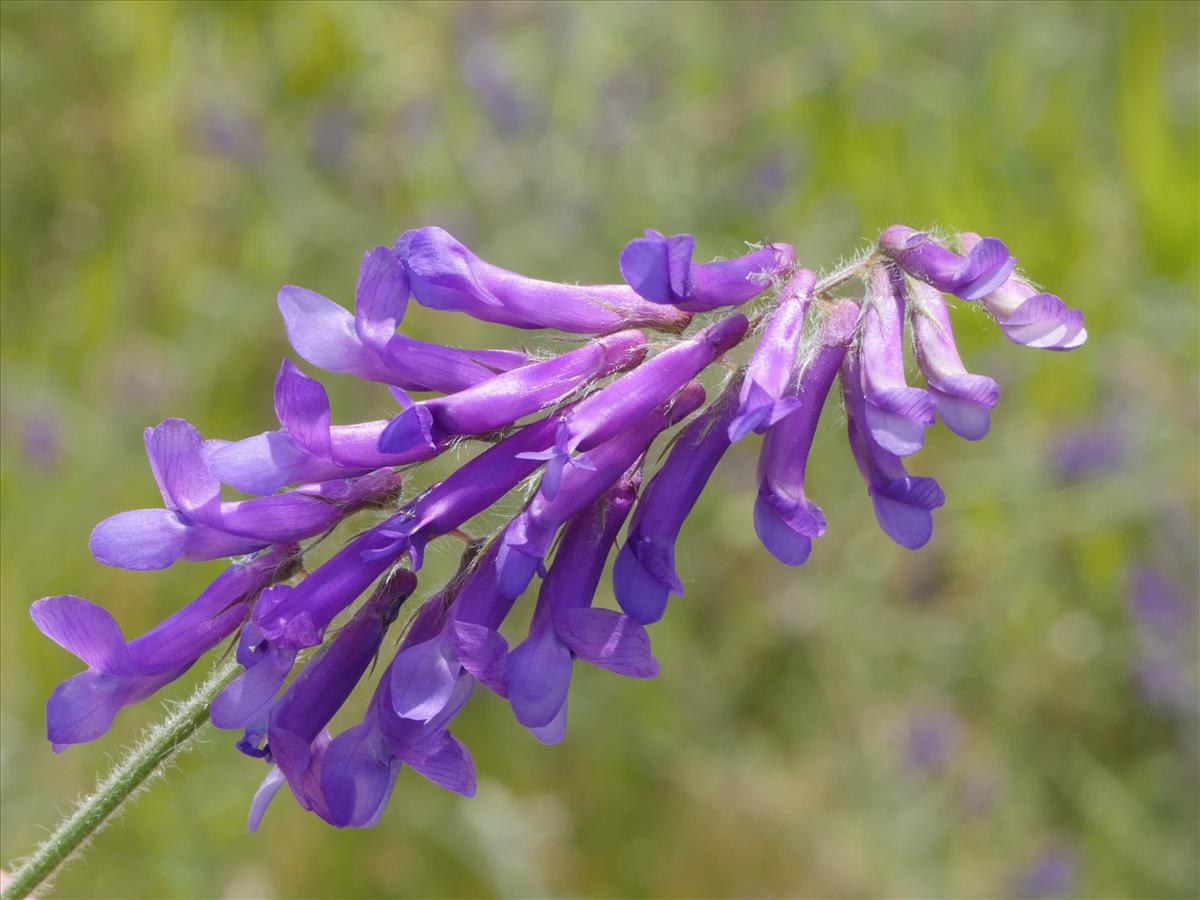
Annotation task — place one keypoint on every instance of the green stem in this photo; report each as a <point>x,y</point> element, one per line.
<point>844,274</point>
<point>92,813</point>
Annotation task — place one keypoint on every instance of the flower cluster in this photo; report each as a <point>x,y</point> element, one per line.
<point>582,424</point>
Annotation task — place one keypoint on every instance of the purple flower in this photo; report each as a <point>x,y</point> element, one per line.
<point>608,412</point>
<point>362,763</point>
<point>894,413</point>
<point>963,400</point>
<point>444,274</point>
<point>308,449</point>
<point>367,345</point>
<point>565,627</point>
<point>120,674</point>
<point>933,737</point>
<point>785,520</point>
<point>502,400</point>
<point>660,268</point>
<point>1052,874</point>
<point>644,572</point>
<point>299,618</point>
<point>985,268</point>
<point>1026,316</point>
<point>902,502</point>
<point>197,525</point>
<point>295,727</point>
<point>762,401</point>
<point>528,537</point>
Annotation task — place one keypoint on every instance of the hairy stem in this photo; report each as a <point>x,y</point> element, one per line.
<point>844,274</point>
<point>145,760</point>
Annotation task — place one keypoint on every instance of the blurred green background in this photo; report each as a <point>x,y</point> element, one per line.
<point>1011,711</point>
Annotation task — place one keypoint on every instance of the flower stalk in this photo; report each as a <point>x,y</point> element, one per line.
<point>172,735</point>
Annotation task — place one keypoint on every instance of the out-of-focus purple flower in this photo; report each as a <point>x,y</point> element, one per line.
<point>494,88</point>
<point>565,627</point>
<point>42,439</point>
<point>1156,604</point>
<point>197,525</point>
<point>985,268</point>
<point>1052,874</point>
<point>331,134</point>
<point>894,414</point>
<point>785,520</point>
<point>644,572</point>
<point>295,727</point>
<point>963,400</point>
<point>366,344</point>
<point>502,400</point>
<point>762,401</point>
<point>444,274</point>
<point>608,412</point>
<point>1026,316</point>
<point>1089,450</point>
<point>902,502</point>
<point>308,449</point>
<point>528,537</point>
<point>120,674</point>
<point>933,737</point>
<point>235,136</point>
<point>660,268</point>
<point>299,618</point>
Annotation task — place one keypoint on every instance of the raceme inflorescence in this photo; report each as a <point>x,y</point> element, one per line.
<point>569,435</point>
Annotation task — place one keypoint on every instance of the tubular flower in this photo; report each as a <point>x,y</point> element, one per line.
<point>367,344</point>
<point>1027,317</point>
<point>660,268</point>
<point>197,525</point>
<point>582,423</point>
<point>785,520</point>
<point>895,414</point>
<point>986,266</point>
<point>963,400</point>
<point>444,274</point>
<point>902,502</point>
<point>644,572</point>
<point>762,402</point>
<point>528,537</point>
<point>308,448</point>
<point>120,674</point>
<point>606,413</point>
<point>565,627</point>
<point>511,396</point>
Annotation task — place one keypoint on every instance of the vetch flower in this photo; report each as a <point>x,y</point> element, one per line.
<point>894,413</point>
<point>565,627</point>
<point>524,543</point>
<point>785,520</point>
<point>963,400</point>
<point>589,419</point>
<point>660,268</point>
<point>308,448</point>
<point>762,401</point>
<point>902,502</point>
<point>502,400</point>
<point>367,344</point>
<point>197,525</point>
<point>644,572</point>
<point>444,274</point>
<point>299,618</point>
<point>608,412</point>
<point>985,268</point>
<point>295,729</point>
<point>362,763</point>
<point>120,674</point>
<point>1026,316</point>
